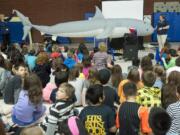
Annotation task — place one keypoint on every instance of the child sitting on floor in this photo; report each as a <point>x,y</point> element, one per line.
<point>61,110</point>
<point>96,117</point>
<point>131,116</point>
<point>29,108</point>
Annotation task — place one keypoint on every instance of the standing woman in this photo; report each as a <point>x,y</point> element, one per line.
<point>162,29</point>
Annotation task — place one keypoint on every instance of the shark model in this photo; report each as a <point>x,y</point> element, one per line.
<point>97,27</point>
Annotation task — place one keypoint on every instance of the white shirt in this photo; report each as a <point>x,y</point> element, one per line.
<point>175,68</point>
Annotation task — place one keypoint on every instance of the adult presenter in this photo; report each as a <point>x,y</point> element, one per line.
<point>4,31</point>
<point>162,29</point>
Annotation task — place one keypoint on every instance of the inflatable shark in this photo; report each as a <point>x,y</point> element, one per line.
<point>98,27</point>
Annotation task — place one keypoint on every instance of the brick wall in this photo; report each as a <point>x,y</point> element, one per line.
<point>49,12</point>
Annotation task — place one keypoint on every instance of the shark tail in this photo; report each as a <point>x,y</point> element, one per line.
<point>26,23</point>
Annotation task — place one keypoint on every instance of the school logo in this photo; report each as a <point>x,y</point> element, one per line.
<point>95,125</point>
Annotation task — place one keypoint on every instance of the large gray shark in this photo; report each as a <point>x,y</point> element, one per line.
<point>97,27</point>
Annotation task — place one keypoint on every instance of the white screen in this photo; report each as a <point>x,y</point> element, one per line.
<point>123,9</point>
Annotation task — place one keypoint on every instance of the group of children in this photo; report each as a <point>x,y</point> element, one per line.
<point>77,92</point>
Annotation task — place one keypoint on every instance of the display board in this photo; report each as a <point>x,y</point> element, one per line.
<point>123,9</point>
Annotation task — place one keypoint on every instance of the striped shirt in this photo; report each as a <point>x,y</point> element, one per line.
<point>59,112</point>
<point>174,111</point>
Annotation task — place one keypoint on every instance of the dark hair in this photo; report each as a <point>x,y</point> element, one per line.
<point>116,75</point>
<point>136,62</point>
<point>129,89</point>
<point>149,78</point>
<point>61,77</point>
<point>66,48</point>
<point>24,50</point>
<point>94,93</point>
<point>15,57</point>
<point>174,78</point>
<point>33,85</point>
<point>178,89</point>
<point>133,75</point>
<point>32,52</point>
<point>17,65</point>
<point>178,61</point>
<point>104,75</point>
<point>159,121</point>
<point>163,16</point>
<point>73,73</point>
<point>146,63</point>
<point>93,76</point>
<point>96,49</point>
<point>8,65</point>
<point>2,130</point>
<point>2,61</point>
<point>82,49</point>
<point>151,55</point>
<point>86,61</point>
<point>79,66</point>
<point>56,64</point>
<point>168,95</point>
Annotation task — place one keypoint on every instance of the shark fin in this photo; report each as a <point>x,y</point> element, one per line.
<point>106,33</point>
<point>98,14</point>
<point>26,22</point>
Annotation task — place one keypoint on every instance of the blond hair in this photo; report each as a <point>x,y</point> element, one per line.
<point>102,47</point>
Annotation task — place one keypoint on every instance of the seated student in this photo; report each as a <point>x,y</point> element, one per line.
<point>111,96</point>
<point>86,61</point>
<point>77,83</point>
<point>93,78</point>
<point>116,76</point>
<point>168,95</point>
<point>30,59</point>
<point>14,85</point>
<point>60,77</point>
<point>72,126</point>
<point>55,52</point>
<point>174,110</point>
<point>69,61</point>
<point>159,121</point>
<point>171,58</point>
<point>160,76</point>
<point>61,110</point>
<point>149,96</point>
<point>175,68</point>
<point>42,68</point>
<point>97,113</point>
<point>29,108</point>
<point>131,116</point>
<point>133,76</point>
